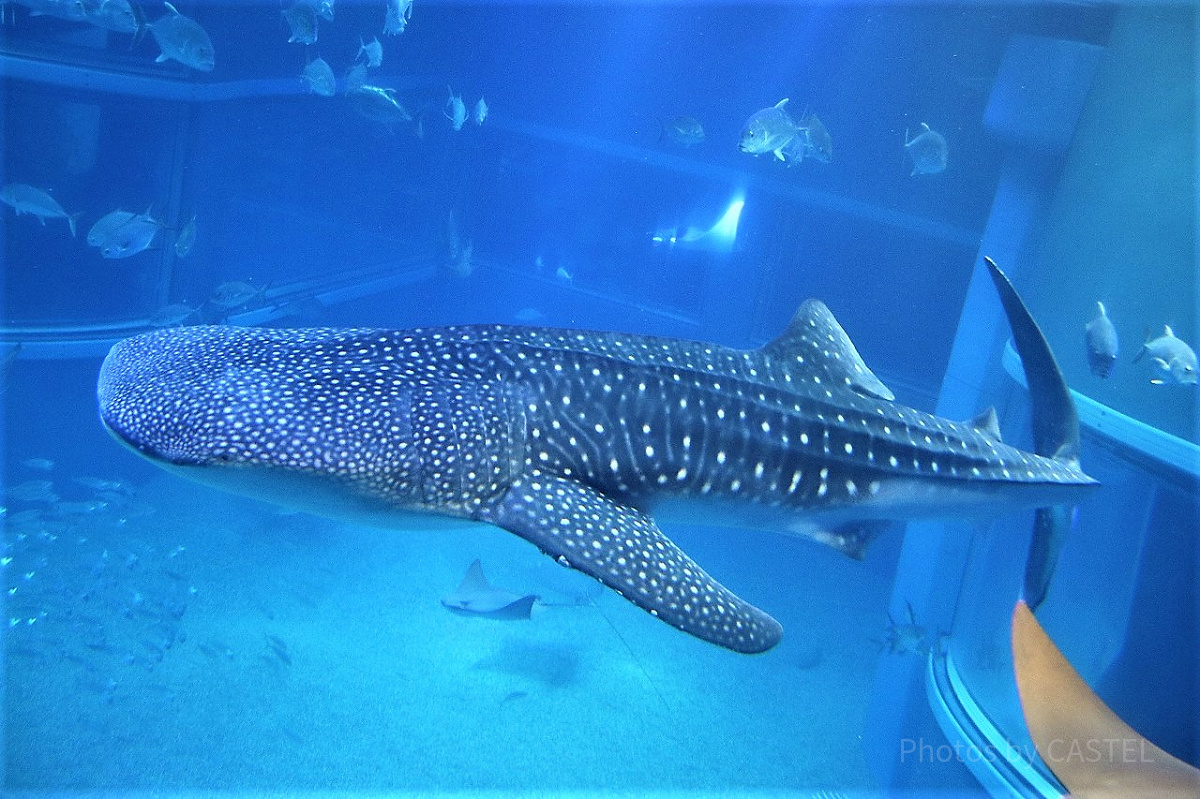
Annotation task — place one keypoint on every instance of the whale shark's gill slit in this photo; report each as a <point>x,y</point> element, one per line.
<point>624,549</point>
<point>467,437</point>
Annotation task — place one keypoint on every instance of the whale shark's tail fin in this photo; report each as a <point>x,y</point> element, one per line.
<point>1055,430</point>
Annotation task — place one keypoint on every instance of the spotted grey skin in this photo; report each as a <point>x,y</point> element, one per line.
<point>566,438</point>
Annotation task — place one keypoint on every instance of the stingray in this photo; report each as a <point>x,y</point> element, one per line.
<point>1067,721</point>
<point>476,597</point>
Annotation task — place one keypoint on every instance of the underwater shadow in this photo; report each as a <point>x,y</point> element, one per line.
<point>552,666</point>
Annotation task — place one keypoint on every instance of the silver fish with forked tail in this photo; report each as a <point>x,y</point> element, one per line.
<point>928,151</point>
<point>25,199</point>
<point>184,40</point>
<point>1172,358</point>
<point>1102,343</point>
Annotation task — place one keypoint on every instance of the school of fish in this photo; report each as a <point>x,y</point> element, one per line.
<point>773,130</point>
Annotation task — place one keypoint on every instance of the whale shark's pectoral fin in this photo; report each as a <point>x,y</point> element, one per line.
<point>1050,529</point>
<point>624,549</point>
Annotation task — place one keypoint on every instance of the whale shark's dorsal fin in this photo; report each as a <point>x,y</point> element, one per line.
<point>815,345</point>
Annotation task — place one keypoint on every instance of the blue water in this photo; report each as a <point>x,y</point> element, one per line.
<point>163,635</point>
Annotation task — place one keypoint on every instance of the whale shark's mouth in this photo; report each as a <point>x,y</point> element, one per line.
<point>147,450</point>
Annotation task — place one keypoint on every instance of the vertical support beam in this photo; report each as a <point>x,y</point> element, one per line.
<point>172,215</point>
<point>1038,128</point>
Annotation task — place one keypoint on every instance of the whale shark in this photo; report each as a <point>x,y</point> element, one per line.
<point>579,441</point>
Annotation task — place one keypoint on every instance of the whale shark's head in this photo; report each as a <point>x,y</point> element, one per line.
<point>207,396</point>
<point>160,394</point>
<point>295,416</point>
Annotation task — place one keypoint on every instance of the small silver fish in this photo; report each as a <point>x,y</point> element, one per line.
<point>455,110</point>
<point>34,491</point>
<point>26,199</point>
<point>927,150</point>
<point>75,10</point>
<point>186,238</point>
<point>115,15</point>
<point>1172,357</point>
<point>106,224</point>
<point>909,637</point>
<point>683,130</point>
<point>324,9</point>
<point>172,315</point>
<point>373,51</point>
<point>399,12</point>
<point>102,484</point>
<point>461,264</point>
<point>460,250</point>
<point>182,39</point>
<point>233,294</point>
<point>302,19</point>
<point>356,77</point>
<point>818,144</point>
<point>529,316</point>
<point>1102,343</point>
<point>319,77</point>
<point>131,239</point>
<point>769,130</point>
<point>379,104</point>
<point>122,234</point>
<point>481,112</point>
